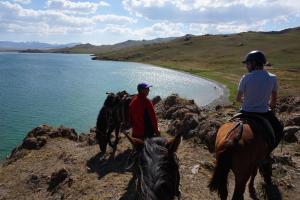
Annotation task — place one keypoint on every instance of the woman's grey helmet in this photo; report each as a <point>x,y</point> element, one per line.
<point>257,56</point>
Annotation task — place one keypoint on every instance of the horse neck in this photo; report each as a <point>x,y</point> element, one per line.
<point>102,119</point>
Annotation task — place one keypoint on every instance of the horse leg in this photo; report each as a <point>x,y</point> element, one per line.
<point>102,141</point>
<point>117,136</point>
<point>114,146</point>
<point>265,169</point>
<point>251,187</point>
<point>241,179</point>
<point>110,130</point>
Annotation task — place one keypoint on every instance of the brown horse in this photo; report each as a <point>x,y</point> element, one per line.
<point>156,168</point>
<point>243,151</point>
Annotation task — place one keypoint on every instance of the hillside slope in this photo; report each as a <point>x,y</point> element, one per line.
<point>219,57</point>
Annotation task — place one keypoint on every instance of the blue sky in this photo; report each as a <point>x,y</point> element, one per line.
<point>113,21</point>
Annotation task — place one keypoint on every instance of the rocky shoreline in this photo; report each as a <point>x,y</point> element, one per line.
<point>55,163</point>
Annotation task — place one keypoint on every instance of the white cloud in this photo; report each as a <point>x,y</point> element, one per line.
<point>78,19</point>
<point>75,7</point>
<point>16,18</point>
<point>113,19</point>
<point>104,4</point>
<point>212,11</point>
<point>154,31</point>
<point>22,1</point>
<point>161,30</point>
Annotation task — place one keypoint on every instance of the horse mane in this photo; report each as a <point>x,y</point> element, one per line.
<point>155,164</point>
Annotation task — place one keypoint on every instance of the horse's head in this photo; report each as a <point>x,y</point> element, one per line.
<point>112,100</point>
<point>156,168</point>
<point>126,100</point>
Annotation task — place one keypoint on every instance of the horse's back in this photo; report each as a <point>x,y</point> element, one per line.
<point>228,132</point>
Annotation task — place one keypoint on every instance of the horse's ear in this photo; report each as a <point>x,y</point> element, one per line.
<point>136,143</point>
<point>173,144</point>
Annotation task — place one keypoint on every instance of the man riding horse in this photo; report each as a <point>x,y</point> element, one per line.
<point>255,90</point>
<point>243,145</point>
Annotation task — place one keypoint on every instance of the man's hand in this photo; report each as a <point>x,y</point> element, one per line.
<point>239,97</point>
<point>158,133</point>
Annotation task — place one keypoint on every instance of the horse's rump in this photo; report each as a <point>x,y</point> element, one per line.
<point>237,148</point>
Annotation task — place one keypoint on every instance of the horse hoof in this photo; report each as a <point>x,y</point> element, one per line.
<point>101,156</point>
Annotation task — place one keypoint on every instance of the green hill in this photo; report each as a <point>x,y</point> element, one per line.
<point>219,57</point>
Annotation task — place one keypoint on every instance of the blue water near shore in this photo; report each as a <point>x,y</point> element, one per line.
<point>69,89</point>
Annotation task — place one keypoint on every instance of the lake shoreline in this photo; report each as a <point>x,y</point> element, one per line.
<point>222,100</point>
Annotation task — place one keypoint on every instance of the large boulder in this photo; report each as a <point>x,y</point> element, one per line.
<point>290,133</point>
<point>34,142</point>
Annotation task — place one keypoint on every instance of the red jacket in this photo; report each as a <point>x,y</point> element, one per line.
<point>137,108</point>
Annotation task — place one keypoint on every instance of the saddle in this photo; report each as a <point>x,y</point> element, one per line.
<point>259,124</point>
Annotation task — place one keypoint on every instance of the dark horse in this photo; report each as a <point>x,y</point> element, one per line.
<point>113,116</point>
<point>244,152</point>
<point>156,168</point>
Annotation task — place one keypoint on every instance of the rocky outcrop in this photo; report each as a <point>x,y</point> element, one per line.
<point>188,119</point>
<point>39,136</point>
<point>289,112</point>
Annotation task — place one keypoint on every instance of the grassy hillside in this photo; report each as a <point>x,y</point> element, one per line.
<point>219,57</point>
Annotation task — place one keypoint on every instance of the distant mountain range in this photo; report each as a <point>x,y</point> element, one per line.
<point>7,45</point>
<point>36,47</point>
<point>92,49</point>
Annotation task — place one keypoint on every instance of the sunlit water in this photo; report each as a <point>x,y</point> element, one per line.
<point>69,89</point>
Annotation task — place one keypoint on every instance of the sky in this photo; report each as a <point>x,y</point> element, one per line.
<point>111,21</point>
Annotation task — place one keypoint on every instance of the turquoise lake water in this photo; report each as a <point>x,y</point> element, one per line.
<point>69,89</point>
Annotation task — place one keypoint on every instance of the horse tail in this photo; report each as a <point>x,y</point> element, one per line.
<point>218,181</point>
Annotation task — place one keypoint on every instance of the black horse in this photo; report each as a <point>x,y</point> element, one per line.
<point>113,116</point>
<point>156,168</point>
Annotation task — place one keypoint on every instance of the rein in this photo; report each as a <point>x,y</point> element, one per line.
<point>239,135</point>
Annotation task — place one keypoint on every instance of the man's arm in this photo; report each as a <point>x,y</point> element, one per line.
<point>153,117</point>
<point>239,97</point>
<point>274,95</point>
<point>241,90</point>
<point>273,101</point>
